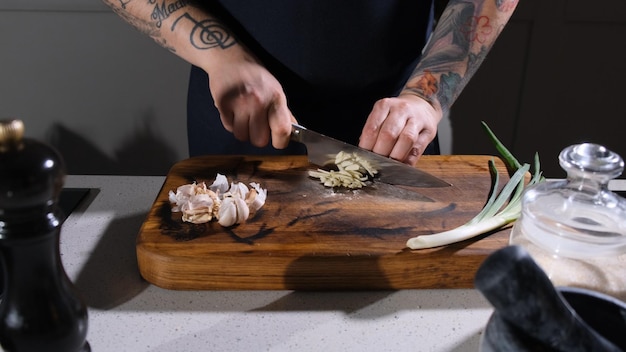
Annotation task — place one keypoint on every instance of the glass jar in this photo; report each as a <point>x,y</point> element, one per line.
<point>575,229</point>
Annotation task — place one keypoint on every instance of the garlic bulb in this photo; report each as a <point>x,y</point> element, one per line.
<point>230,204</point>
<point>233,210</point>
<point>197,203</point>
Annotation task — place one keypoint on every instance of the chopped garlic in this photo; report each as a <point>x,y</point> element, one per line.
<point>352,172</point>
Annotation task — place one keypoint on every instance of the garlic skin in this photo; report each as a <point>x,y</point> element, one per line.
<point>197,216</point>
<point>230,204</point>
<point>256,197</point>
<point>185,193</point>
<point>200,208</point>
<point>238,189</point>
<point>197,203</point>
<point>220,185</point>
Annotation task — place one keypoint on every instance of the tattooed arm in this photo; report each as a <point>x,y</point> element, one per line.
<point>250,100</point>
<point>402,127</point>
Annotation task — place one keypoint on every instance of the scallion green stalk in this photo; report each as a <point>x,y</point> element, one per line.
<point>501,208</point>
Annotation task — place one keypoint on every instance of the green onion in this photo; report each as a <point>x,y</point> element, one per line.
<point>501,208</point>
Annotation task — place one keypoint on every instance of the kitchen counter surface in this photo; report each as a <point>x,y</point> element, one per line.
<point>126,313</point>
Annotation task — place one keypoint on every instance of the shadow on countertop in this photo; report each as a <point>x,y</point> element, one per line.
<point>143,153</point>
<point>111,277</point>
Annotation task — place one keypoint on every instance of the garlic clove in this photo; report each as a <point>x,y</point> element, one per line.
<point>243,212</point>
<point>227,215</point>
<point>233,210</point>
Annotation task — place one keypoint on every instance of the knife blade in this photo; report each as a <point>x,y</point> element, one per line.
<point>321,150</point>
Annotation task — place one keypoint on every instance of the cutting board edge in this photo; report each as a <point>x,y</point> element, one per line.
<point>363,273</point>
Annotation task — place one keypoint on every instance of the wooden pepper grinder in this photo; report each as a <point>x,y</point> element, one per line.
<point>39,311</point>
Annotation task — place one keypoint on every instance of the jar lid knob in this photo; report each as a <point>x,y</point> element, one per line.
<point>591,158</point>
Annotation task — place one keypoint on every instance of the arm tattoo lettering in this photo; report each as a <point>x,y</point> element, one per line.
<point>163,11</point>
<point>207,33</point>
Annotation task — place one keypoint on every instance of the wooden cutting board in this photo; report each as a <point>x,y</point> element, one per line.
<point>309,237</point>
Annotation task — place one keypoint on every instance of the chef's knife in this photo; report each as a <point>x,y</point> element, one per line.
<point>322,149</point>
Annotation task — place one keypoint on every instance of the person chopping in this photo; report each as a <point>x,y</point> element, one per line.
<point>379,74</point>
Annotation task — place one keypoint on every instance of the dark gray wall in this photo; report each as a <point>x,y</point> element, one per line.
<point>109,98</point>
<point>554,78</point>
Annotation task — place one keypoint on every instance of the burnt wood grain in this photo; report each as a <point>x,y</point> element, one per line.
<point>309,237</point>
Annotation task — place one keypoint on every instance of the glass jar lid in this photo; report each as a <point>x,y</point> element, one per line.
<point>579,216</point>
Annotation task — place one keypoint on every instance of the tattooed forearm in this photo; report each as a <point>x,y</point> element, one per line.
<point>207,34</point>
<point>506,5</point>
<point>466,31</point>
<point>448,46</point>
<point>149,16</point>
<point>447,49</point>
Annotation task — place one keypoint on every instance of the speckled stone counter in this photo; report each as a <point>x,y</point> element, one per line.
<point>126,313</point>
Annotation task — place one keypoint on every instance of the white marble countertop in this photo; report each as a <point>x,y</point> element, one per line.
<point>126,313</point>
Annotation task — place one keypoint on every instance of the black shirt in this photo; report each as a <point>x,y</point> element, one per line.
<point>334,59</point>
